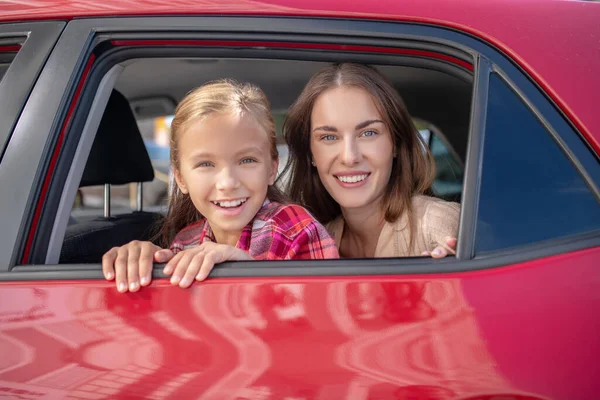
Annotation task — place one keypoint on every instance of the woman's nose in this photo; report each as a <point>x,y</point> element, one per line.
<point>227,180</point>
<point>351,152</point>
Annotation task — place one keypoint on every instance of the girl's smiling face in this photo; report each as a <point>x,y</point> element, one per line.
<point>351,146</point>
<point>225,166</point>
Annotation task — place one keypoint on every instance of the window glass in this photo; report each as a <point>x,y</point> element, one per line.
<point>530,191</point>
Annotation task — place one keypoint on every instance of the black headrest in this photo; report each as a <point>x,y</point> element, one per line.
<point>118,155</point>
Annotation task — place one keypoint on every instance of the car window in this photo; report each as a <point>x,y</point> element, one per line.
<point>134,130</point>
<point>530,191</point>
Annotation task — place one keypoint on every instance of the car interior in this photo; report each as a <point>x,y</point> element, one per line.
<point>123,192</point>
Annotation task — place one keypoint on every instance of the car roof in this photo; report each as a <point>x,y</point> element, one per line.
<point>556,41</point>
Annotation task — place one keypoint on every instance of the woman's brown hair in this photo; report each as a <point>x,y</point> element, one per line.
<point>216,97</point>
<point>413,167</point>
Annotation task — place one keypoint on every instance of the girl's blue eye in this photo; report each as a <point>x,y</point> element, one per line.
<point>328,137</point>
<point>369,133</point>
<point>248,161</point>
<point>204,164</point>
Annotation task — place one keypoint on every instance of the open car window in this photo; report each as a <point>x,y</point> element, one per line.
<point>113,207</point>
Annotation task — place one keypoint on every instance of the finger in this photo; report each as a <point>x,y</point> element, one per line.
<point>207,265</point>
<point>451,243</point>
<point>172,264</point>
<point>146,263</point>
<point>121,269</point>
<point>192,270</point>
<point>163,256</point>
<point>426,253</point>
<point>439,252</point>
<point>108,262</point>
<point>133,266</point>
<point>182,266</point>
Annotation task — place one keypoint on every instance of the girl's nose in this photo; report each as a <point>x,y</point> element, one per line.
<point>227,180</point>
<point>351,153</point>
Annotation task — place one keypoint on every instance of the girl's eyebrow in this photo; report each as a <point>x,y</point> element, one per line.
<point>201,154</point>
<point>245,150</point>
<point>250,149</point>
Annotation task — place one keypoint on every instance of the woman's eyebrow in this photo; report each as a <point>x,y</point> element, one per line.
<point>326,128</point>
<point>366,123</point>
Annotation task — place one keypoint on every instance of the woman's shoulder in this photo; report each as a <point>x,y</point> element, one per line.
<point>436,214</point>
<point>423,205</point>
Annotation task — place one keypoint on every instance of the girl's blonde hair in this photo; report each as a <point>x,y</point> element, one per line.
<point>222,96</point>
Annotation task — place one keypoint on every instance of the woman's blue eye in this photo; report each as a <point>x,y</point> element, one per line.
<point>369,133</point>
<point>248,161</point>
<point>328,137</point>
<point>204,164</point>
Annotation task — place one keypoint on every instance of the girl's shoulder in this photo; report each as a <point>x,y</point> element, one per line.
<point>190,233</point>
<point>288,218</point>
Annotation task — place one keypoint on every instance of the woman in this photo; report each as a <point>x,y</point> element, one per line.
<point>359,164</point>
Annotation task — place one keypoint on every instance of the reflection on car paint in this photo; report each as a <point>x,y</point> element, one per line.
<point>391,339</point>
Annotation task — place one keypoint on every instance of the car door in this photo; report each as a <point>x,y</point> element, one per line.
<point>487,322</point>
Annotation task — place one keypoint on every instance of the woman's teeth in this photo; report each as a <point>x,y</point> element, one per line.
<point>352,178</point>
<point>230,204</point>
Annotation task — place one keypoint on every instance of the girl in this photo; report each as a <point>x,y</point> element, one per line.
<point>358,163</point>
<point>225,205</point>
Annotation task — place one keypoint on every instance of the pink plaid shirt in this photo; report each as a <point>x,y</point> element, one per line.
<point>277,232</point>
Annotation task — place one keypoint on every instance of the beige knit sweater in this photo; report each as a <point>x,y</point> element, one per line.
<point>434,220</point>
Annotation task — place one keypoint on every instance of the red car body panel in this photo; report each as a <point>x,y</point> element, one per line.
<point>471,335</point>
<point>556,41</point>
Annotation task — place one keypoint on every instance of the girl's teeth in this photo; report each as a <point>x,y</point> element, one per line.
<point>229,204</point>
<point>353,178</point>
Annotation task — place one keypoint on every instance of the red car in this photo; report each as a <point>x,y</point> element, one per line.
<point>507,90</point>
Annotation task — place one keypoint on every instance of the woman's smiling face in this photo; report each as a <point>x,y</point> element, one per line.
<point>351,146</point>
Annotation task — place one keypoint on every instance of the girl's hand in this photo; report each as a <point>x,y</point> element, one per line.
<point>132,263</point>
<point>441,251</point>
<point>196,263</point>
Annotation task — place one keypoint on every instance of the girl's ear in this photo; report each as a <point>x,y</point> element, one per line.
<point>180,181</point>
<point>274,170</point>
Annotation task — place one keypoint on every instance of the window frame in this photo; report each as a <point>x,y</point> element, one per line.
<point>83,35</point>
<point>36,41</point>
<point>33,42</point>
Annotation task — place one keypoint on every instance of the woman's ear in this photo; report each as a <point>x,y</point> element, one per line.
<point>180,182</point>
<point>274,170</point>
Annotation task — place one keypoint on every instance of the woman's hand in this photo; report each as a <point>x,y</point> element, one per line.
<point>441,251</point>
<point>196,263</point>
<point>132,264</point>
